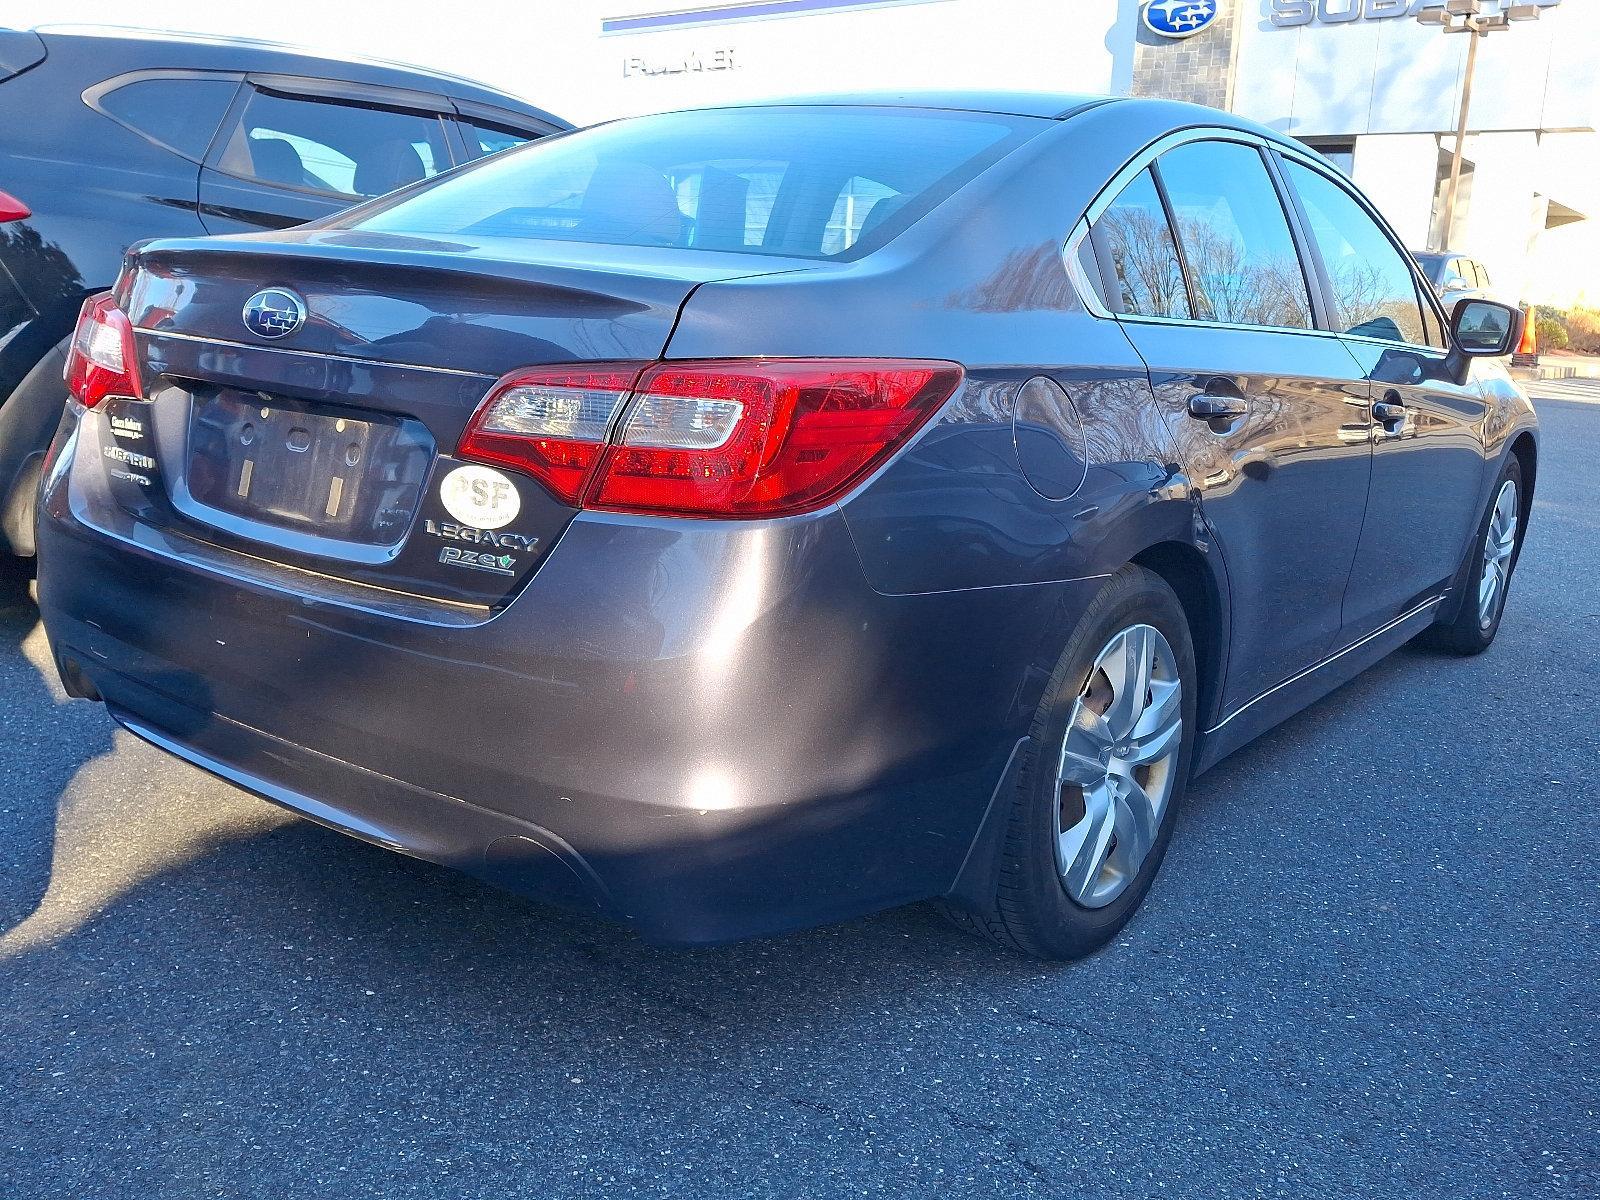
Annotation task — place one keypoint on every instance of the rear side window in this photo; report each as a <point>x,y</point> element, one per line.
<point>805,181</point>
<point>1243,266</point>
<point>180,113</point>
<point>346,149</point>
<point>1144,258</point>
<point>1374,291</point>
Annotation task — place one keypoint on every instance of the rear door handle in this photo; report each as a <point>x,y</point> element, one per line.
<point>1210,407</point>
<point>1220,399</point>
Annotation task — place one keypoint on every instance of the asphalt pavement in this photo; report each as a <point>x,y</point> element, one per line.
<point>1369,968</point>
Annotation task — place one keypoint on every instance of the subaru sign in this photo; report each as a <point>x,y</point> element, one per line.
<point>1289,14</point>
<point>1179,18</point>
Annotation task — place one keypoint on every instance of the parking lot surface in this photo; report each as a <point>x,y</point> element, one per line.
<point>1367,969</point>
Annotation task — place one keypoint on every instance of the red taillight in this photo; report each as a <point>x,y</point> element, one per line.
<point>102,360</point>
<point>550,422</point>
<point>763,438</point>
<point>718,438</point>
<point>12,209</point>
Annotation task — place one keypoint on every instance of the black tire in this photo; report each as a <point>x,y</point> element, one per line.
<point>1467,634</point>
<point>1030,910</point>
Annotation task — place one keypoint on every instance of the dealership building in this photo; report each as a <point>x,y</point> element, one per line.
<point>1364,81</point>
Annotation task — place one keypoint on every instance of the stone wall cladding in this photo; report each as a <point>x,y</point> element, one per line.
<point>1197,69</point>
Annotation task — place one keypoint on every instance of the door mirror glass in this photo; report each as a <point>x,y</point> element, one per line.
<point>1483,328</point>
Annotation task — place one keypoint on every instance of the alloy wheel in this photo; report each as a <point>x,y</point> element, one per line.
<point>1498,546</point>
<point>1118,765</point>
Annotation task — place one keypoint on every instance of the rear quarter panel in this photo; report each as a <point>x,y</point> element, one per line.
<point>980,280</point>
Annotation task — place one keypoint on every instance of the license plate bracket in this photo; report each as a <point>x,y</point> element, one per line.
<point>317,469</point>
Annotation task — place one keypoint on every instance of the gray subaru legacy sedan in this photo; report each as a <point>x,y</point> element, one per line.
<point>740,519</point>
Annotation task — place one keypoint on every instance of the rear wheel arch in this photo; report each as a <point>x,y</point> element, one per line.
<point>1186,571</point>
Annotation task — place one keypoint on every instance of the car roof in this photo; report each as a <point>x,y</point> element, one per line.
<point>1048,105</point>
<point>1020,104</point>
<point>203,51</point>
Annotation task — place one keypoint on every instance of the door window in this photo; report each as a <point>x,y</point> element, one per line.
<point>1374,290</point>
<point>327,146</point>
<point>1241,257</point>
<point>484,139</point>
<point>1433,329</point>
<point>1136,236</point>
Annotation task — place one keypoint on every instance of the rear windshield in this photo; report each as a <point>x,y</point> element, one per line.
<point>809,182</point>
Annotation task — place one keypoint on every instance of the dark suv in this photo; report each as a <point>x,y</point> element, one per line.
<point>112,136</point>
<point>1455,277</point>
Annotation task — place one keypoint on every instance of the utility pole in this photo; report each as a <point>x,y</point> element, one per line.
<point>1469,17</point>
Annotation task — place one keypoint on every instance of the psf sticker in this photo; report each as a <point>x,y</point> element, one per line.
<point>480,497</point>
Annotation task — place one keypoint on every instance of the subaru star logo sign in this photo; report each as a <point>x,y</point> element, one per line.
<point>274,313</point>
<point>1179,18</point>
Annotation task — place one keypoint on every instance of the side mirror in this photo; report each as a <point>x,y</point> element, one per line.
<point>1486,329</point>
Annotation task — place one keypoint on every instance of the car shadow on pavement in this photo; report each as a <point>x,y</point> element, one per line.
<point>37,720</point>
<point>298,946</point>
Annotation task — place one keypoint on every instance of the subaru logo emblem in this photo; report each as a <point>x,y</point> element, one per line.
<point>1179,18</point>
<point>274,313</point>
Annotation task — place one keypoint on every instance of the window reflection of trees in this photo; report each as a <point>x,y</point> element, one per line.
<point>1374,293</point>
<point>1146,261</point>
<point>1236,287</point>
<point>1365,302</point>
<point>1231,285</point>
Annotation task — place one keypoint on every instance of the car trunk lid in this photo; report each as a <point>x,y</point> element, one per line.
<point>328,447</point>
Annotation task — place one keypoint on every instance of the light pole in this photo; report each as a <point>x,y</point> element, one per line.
<point>1469,17</point>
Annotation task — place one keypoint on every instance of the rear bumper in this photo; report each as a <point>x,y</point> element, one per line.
<point>706,730</point>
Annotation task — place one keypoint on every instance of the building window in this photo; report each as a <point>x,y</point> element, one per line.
<point>1341,154</point>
